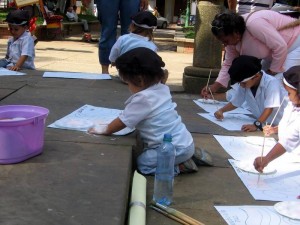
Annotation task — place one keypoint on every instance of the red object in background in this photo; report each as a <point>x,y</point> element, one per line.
<point>32,25</point>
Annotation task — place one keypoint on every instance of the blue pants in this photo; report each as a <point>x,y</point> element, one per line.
<point>147,161</point>
<point>108,17</point>
<point>3,63</point>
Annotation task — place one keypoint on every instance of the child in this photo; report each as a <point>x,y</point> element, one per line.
<point>289,126</point>
<point>141,35</point>
<point>73,17</point>
<point>151,111</point>
<point>20,48</point>
<point>262,92</point>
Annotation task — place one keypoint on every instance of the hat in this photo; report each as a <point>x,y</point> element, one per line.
<point>244,67</point>
<point>292,77</point>
<point>17,17</point>
<point>145,19</point>
<point>140,60</point>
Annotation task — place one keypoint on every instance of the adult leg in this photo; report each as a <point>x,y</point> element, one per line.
<point>128,8</point>
<point>108,17</point>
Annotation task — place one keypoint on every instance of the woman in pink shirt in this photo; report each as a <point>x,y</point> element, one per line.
<point>257,34</point>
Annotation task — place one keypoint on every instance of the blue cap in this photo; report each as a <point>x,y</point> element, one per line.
<point>168,137</point>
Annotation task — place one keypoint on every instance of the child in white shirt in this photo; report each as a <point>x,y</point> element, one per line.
<point>141,35</point>
<point>289,126</point>
<point>20,47</point>
<point>151,111</point>
<point>262,93</point>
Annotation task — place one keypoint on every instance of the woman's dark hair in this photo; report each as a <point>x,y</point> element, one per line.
<point>227,24</point>
<point>140,65</point>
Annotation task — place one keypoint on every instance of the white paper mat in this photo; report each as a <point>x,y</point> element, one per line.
<point>253,215</point>
<point>211,106</point>
<point>6,72</point>
<point>232,122</point>
<point>86,116</point>
<point>284,185</point>
<point>91,76</point>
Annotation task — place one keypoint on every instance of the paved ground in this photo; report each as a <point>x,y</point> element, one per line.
<point>194,194</point>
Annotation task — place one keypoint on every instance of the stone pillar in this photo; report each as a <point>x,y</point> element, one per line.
<point>207,49</point>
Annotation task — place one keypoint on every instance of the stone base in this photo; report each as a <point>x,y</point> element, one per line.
<point>195,78</point>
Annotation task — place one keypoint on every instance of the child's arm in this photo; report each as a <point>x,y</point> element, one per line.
<point>263,117</point>
<point>228,107</point>
<point>115,126</point>
<point>261,162</point>
<point>19,64</point>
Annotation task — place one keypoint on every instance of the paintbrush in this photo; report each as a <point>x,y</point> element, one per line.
<point>208,79</point>
<point>262,151</point>
<point>177,214</point>
<point>169,215</point>
<point>277,111</point>
<point>261,157</point>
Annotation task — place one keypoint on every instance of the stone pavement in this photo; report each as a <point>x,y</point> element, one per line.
<point>71,181</point>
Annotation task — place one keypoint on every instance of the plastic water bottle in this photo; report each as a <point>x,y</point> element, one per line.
<point>164,175</point>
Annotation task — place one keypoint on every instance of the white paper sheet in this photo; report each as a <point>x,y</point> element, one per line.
<point>284,185</point>
<point>91,76</point>
<point>97,115</point>
<point>253,215</point>
<point>6,72</point>
<point>248,148</point>
<point>232,122</point>
<point>211,108</point>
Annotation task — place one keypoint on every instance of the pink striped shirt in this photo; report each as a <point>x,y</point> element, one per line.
<point>262,40</point>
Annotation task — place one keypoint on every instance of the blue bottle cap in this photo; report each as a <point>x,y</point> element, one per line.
<point>168,137</point>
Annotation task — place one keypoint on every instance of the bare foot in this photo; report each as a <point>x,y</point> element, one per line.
<point>105,69</point>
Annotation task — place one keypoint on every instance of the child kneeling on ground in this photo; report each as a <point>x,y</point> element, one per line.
<point>262,92</point>
<point>151,111</point>
<point>289,126</point>
<point>20,48</point>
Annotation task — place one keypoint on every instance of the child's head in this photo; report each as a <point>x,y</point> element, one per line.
<point>18,21</point>
<point>141,67</point>
<point>291,81</point>
<point>70,9</point>
<point>143,24</point>
<point>245,70</point>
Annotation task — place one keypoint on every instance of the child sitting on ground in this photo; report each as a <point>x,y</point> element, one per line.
<point>151,111</point>
<point>20,48</point>
<point>73,17</point>
<point>289,126</point>
<point>141,35</point>
<point>262,92</point>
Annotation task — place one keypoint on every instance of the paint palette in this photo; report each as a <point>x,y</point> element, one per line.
<point>208,101</point>
<point>247,166</point>
<point>74,124</point>
<point>290,209</point>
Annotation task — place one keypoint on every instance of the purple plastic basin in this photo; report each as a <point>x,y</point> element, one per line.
<point>21,132</point>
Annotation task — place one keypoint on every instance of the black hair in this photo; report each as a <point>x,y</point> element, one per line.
<point>228,23</point>
<point>292,76</point>
<point>140,66</point>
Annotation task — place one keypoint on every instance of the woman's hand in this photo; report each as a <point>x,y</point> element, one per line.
<point>207,90</point>
<point>260,163</point>
<point>249,128</point>
<point>219,114</point>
